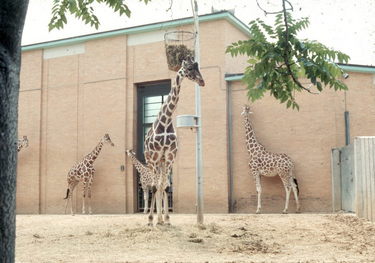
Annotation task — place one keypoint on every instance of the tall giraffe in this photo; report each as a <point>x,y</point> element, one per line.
<point>146,178</point>
<point>22,143</point>
<point>161,140</point>
<point>264,163</point>
<point>84,171</point>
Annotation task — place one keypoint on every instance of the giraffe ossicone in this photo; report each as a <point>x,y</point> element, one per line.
<point>264,163</point>
<point>84,172</point>
<point>161,140</point>
<point>22,143</point>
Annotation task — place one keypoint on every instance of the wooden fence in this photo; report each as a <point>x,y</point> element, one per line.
<point>353,177</point>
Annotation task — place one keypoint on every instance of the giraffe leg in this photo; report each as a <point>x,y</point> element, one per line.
<point>145,198</point>
<point>89,197</point>
<point>166,208</point>
<point>67,199</point>
<point>293,183</point>
<point>159,197</point>
<point>84,197</point>
<point>71,204</point>
<point>66,204</point>
<point>161,185</point>
<point>71,187</point>
<point>287,187</point>
<point>152,207</point>
<point>171,155</point>
<point>169,164</point>
<point>259,190</point>
<point>154,189</point>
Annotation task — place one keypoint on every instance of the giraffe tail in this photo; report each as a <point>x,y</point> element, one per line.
<point>67,193</point>
<point>295,181</point>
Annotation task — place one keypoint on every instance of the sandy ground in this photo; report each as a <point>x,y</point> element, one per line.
<point>223,238</point>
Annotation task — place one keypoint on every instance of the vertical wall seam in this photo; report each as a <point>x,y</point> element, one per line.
<point>229,147</point>
<point>125,125</point>
<point>40,136</point>
<point>77,126</point>
<point>78,100</point>
<point>46,139</point>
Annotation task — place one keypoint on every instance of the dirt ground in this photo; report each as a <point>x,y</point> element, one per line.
<point>223,238</point>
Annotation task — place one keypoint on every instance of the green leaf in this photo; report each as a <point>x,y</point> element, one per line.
<point>277,59</point>
<point>288,104</point>
<point>83,10</point>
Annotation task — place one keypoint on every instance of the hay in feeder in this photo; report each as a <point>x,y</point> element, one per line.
<point>176,54</point>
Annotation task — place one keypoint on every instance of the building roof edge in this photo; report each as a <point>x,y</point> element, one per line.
<point>346,67</point>
<point>141,29</point>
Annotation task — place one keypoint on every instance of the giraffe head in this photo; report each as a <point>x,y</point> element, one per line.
<point>190,69</point>
<point>246,110</point>
<point>130,152</point>
<point>25,141</point>
<point>107,139</point>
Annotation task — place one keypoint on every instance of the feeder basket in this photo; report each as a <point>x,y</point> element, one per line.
<point>178,45</point>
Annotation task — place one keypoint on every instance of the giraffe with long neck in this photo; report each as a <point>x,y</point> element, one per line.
<point>264,163</point>
<point>145,177</point>
<point>22,143</point>
<point>84,172</point>
<point>161,140</point>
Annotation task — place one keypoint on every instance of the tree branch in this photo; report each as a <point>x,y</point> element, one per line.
<point>286,51</point>
<point>170,6</point>
<point>278,12</point>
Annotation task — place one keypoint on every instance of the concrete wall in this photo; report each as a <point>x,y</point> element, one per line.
<point>71,96</point>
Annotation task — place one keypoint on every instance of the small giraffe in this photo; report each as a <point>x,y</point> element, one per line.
<point>146,178</point>
<point>161,140</point>
<point>264,163</point>
<point>22,143</point>
<point>84,171</point>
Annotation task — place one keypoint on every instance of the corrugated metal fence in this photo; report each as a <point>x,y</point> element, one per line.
<point>353,177</point>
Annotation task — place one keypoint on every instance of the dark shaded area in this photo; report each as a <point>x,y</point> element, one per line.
<point>12,18</point>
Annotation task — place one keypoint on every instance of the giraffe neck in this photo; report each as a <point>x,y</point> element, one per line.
<point>94,154</point>
<point>251,141</point>
<point>170,104</point>
<point>137,164</point>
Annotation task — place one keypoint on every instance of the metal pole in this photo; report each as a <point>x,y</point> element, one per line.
<point>347,127</point>
<point>198,158</point>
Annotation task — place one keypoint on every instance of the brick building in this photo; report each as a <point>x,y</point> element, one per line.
<point>75,90</point>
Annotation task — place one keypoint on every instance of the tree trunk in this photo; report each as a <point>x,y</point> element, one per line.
<point>12,17</point>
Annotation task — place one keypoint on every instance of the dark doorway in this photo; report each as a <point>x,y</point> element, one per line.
<point>150,97</point>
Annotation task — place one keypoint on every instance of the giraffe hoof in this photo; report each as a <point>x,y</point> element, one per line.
<point>285,212</point>
<point>257,212</point>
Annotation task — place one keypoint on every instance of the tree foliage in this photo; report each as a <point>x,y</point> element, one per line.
<point>84,10</point>
<point>277,59</point>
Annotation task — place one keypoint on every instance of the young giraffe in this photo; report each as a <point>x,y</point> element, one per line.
<point>22,143</point>
<point>84,171</point>
<point>161,140</point>
<point>146,179</point>
<point>264,163</point>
